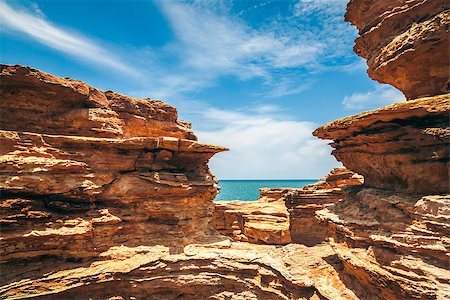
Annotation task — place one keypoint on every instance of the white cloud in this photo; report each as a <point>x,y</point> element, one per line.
<point>212,42</point>
<point>322,7</point>
<point>266,108</point>
<point>265,147</point>
<point>37,27</point>
<point>381,95</point>
<point>218,42</point>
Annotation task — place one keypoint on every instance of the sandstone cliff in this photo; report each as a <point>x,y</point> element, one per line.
<point>405,42</point>
<point>108,197</point>
<point>391,233</point>
<point>82,170</point>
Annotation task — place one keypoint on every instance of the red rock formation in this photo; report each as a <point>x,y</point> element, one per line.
<point>405,42</point>
<point>102,196</point>
<point>337,178</point>
<point>262,221</point>
<point>213,271</point>
<point>48,104</point>
<point>283,215</point>
<point>391,234</point>
<point>82,170</point>
<point>395,245</point>
<point>393,240</point>
<point>390,146</point>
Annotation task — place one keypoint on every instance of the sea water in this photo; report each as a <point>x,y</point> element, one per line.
<point>248,190</point>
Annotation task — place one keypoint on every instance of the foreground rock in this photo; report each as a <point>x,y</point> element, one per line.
<point>82,171</point>
<point>108,197</point>
<point>405,43</point>
<point>306,228</point>
<point>396,245</point>
<point>210,271</point>
<point>392,233</point>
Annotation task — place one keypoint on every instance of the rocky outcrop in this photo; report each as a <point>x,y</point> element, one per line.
<point>405,43</point>
<point>35,101</point>
<point>283,215</point>
<point>302,205</point>
<point>109,197</point>
<point>98,207</point>
<point>82,170</point>
<point>396,245</point>
<point>391,234</point>
<point>338,177</point>
<point>263,221</point>
<point>211,271</point>
<point>403,146</point>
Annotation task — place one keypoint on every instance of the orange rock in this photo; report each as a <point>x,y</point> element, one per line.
<point>405,43</point>
<point>392,145</point>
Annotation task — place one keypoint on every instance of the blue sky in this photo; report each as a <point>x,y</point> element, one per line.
<point>255,76</point>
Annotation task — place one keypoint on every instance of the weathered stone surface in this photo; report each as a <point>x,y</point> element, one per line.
<point>405,43</point>
<point>222,270</point>
<point>283,215</point>
<point>48,104</point>
<point>395,245</point>
<point>403,146</point>
<point>337,178</point>
<point>262,221</point>
<point>72,187</point>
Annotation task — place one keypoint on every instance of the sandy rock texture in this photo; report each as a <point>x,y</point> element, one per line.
<point>403,146</point>
<point>83,170</point>
<point>396,245</point>
<point>263,221</point>
<point>405,43</point>
<point>222,270</point>
<point>283,215</point>
<point>104,196</point>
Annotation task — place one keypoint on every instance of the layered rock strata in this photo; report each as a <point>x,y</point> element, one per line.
<point>263,221</point>
<point>98,207</point>
<point>83,170</point>
<point>405,43</point>
<point>395,245</point>
<point>392,233</point>
<point>403,146</point>
<point>338,177</point>
<point>283,215</point>
<point>302,205</point>
<point>210,271</point>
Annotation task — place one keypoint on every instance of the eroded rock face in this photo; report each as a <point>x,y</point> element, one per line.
<point>82,170</point>
<point>401,147</point>
<point>263,221</point>
<point>337,178</point>
<point>211,271</point>
<point>396,245</point>
<point>283,215</point>
<point>405,43</point>
<point>35,101</point>
<point>392,233</point>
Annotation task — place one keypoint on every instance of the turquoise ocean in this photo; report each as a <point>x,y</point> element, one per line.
<point>248,190</point>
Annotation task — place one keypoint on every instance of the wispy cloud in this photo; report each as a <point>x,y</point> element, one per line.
<point>217,42</point>
<point>34,25</point>
<point>265,146</point>
<point>212,42</point>
<point>381,95</point>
